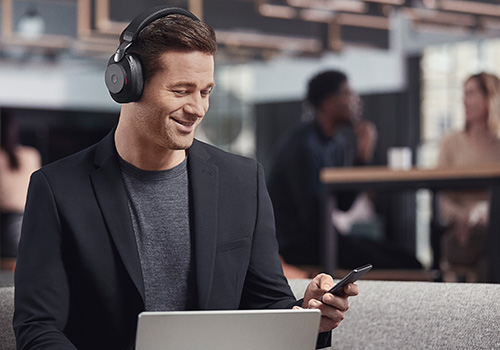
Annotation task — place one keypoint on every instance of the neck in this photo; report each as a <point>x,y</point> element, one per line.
<point>327,124</point>
<point>144,155</point>
<point>478,130</point>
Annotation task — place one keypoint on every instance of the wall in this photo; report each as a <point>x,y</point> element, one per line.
<point>66,84</point>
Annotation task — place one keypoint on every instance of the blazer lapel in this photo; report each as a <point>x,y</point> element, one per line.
<point>203,179</point>
<point>112,198</point>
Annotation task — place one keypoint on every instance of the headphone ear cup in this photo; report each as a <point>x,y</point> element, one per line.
<point>124,79</point>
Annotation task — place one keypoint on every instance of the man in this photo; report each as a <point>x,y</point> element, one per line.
<point>149,218</point>
<point>337,137</point>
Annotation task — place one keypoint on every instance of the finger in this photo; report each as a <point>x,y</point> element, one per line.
<point>320,284</point>
<point>351,290</point>
<point>340,303</point>
<point>325,282</point>
<point>330,316</point>
<point>327,324</point>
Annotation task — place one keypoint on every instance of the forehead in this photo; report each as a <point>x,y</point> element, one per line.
<point>344,91</point>
<point>472,86</point>
<point>186,65</point>
<point>345,87</point>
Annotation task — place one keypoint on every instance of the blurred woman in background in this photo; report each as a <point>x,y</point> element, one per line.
<point>17,162</point>
<point>465,213</point>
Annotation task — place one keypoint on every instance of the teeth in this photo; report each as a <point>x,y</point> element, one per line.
<point>186,123</point>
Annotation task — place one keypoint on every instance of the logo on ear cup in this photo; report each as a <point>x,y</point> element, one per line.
<point>115,78</point>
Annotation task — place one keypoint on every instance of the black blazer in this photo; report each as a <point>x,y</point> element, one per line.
<point>78,277</point>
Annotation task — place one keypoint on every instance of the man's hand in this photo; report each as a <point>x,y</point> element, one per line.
<point>333,307</point>
<point>367,140</point>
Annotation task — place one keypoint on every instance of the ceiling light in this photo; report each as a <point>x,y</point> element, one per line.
<point>338,5</point>
<point>347,6</point>
<point>432,4</point>
<point>300,3</point>
<point>277,11</point>
<point>473,7</point>
<point>266,41</point>
<point>317,16</point>
<point>387,2</point>
<point>366,21</point>
<point>440,17</point>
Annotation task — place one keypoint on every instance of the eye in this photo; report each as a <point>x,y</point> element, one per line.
<point>180,92</point>
<point>206,92</point>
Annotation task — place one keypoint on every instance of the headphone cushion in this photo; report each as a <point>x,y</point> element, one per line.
<point>124,79</point>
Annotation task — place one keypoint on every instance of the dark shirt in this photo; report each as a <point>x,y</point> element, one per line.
<point>159,207</point>
<point>296,191</point>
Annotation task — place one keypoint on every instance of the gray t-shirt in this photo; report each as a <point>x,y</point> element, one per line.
<point>159,208</point>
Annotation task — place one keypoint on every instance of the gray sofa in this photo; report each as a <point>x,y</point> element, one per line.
<point>389,315</point>
<point>7,341</point>
<point>418,315</point>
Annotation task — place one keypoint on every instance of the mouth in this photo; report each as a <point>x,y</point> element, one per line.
<point>185,126</point>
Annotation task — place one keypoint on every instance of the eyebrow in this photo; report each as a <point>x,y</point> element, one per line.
<point>190,85</point>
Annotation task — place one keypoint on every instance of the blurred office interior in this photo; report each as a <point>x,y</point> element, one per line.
<point>407,59</point>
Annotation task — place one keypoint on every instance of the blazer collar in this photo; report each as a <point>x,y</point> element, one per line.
<point>112,197</point>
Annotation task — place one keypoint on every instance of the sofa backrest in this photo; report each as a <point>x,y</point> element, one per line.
<point>418,315</point>
<point>388,315</point>
<point>7,340</point>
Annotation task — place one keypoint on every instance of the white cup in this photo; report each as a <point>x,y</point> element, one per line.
<point>399,158</point>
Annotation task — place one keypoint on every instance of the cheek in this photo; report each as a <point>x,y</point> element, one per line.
<point>205,104</point>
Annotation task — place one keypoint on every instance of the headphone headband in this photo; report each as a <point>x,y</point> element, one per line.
<point>131,32</point>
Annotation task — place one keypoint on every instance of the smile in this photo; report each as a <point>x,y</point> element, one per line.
<point>184,122</point>
<point>185,125</point>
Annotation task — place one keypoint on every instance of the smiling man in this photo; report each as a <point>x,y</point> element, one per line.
<point>150,218</point>
<point>155,132</point>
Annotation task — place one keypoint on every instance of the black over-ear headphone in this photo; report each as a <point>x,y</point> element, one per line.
<point>124,77</point>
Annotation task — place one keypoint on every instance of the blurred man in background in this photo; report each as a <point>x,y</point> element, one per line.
<point>336,137</point>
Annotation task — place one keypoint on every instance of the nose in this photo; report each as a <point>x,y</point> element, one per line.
<point>196,106</point>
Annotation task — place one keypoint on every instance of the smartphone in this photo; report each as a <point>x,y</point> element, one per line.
<point>351,277</point>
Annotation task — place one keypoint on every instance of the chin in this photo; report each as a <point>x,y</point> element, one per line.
<point>183,144</point>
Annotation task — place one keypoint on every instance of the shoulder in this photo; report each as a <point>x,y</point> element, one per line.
<point>302,138</point>
<point>81,162</point>
<point>221,158</point>
<point>452,139</point>
<point>236,172</point>
<point>454,136</point>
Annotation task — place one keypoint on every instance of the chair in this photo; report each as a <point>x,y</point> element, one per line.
<point>448,272</point>
<point>458,273</point>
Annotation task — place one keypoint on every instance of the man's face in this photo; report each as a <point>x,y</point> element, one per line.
<point>345,105</point>
<point>175,100</point>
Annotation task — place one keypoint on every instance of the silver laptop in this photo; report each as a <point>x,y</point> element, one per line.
<point>228,330</point>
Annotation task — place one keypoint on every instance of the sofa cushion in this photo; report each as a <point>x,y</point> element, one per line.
<point>418,315</point>
<point>7,341</point>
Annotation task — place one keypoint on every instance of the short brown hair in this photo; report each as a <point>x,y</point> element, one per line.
<point>172,32</point>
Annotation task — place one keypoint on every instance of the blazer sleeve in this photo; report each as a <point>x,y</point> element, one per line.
<point>42,291</point>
